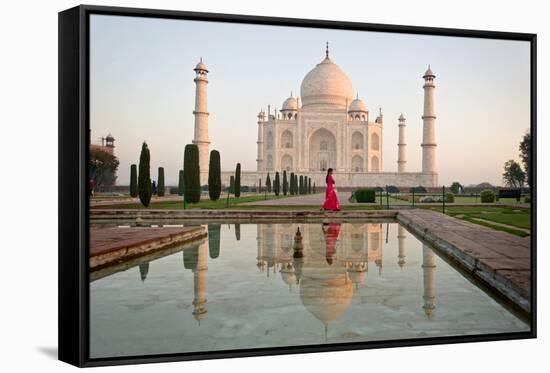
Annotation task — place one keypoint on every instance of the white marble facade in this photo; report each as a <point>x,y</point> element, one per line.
<point>326,127</point>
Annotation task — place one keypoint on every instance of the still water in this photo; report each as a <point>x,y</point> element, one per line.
<point>242,287</point>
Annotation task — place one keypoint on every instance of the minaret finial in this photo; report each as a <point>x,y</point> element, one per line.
<point>326,53</point>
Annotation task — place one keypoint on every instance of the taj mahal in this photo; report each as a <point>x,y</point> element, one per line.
<point>326,127</point>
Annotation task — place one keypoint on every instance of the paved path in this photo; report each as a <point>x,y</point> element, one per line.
<point>111,245</point>
<point>499,259</point>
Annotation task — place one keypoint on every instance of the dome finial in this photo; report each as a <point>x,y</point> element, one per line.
<point>326,52</point>
<point>357,95</point>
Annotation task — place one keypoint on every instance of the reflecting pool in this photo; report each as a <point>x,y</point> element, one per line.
<point>270,285</point>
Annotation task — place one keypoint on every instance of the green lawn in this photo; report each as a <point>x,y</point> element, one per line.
<point>520,218</point>
<point>222,203</point>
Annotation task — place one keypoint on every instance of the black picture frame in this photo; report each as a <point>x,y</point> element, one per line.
<point>74,140</point>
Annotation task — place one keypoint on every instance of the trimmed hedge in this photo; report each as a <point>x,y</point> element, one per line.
<point>277,184</point>
<point>392,189</point>
<point>160,186</point>
<point>487,196</point>
<point>418,189</point>
<point>232,184</point>
<point>133,181</point>
<point>268,183</point>
<point>365,195</point>
<point>180,183</point>
<point>214,176</point>
<point>237,191</point>
<point>449,197</point>
<point>191,174</point>
<point>144,177</point>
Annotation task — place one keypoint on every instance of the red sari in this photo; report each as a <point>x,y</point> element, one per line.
<point>331,199</point>
<point>331,236</point>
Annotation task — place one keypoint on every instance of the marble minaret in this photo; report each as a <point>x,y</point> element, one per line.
<point>402,147</point>
<point>260,142</point>
<point>201,119</point>
<point>429,162</point>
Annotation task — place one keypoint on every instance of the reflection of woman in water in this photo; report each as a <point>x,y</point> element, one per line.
<point>331,231</point>
<point>331,198</point>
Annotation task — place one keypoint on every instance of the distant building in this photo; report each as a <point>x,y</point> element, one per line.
<point>107,144</point>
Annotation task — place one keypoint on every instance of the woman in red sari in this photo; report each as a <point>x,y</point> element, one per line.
<point>331,198</point>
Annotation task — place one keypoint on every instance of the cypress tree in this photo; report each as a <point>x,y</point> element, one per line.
<point>292,189</point>
<point>144,177</point>
<point>214,176</point>
<point>180,183</point>
<point>260,185</point>
<point>301,188</point>
<point>238,180</point>
<point>160,185</point>
<point>133,181</point>
<point>309,185</point>
<point>313,187</point>
<point>232,184</point>
<point>277,184</point>
<point>285,183</point>
<point>191,174</point>
<point>295,184</point>
<point>268,183</point>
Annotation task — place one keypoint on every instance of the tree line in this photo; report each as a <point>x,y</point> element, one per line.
<point>189,185</point>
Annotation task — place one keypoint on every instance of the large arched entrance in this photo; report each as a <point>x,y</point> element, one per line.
<point>322,150</point>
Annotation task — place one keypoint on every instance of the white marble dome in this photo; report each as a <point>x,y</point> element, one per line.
<point>327,85</point>
<point>357,105</point>
<point>290,103</point>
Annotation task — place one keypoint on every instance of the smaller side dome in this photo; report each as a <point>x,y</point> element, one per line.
<point>290,104</point>
<point>401,117</point>
<point>357,105</point>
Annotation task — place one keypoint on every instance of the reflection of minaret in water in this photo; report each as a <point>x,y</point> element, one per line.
<point>199,282</point>
<point>260,244</point>
<point>428,267</point>
<point>401,236</point>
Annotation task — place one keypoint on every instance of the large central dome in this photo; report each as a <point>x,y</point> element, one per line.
<point>326,86</point>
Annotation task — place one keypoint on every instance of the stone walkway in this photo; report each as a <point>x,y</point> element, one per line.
<point>112,245</point>
<point>499,259</point>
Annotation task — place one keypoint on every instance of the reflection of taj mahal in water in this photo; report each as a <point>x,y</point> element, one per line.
<point>334,261</point>
<point>327,126</point>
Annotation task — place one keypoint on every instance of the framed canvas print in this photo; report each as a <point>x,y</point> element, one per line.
<point>234,186</point>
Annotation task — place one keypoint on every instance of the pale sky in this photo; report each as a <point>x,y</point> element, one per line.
<point>142,88</point>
